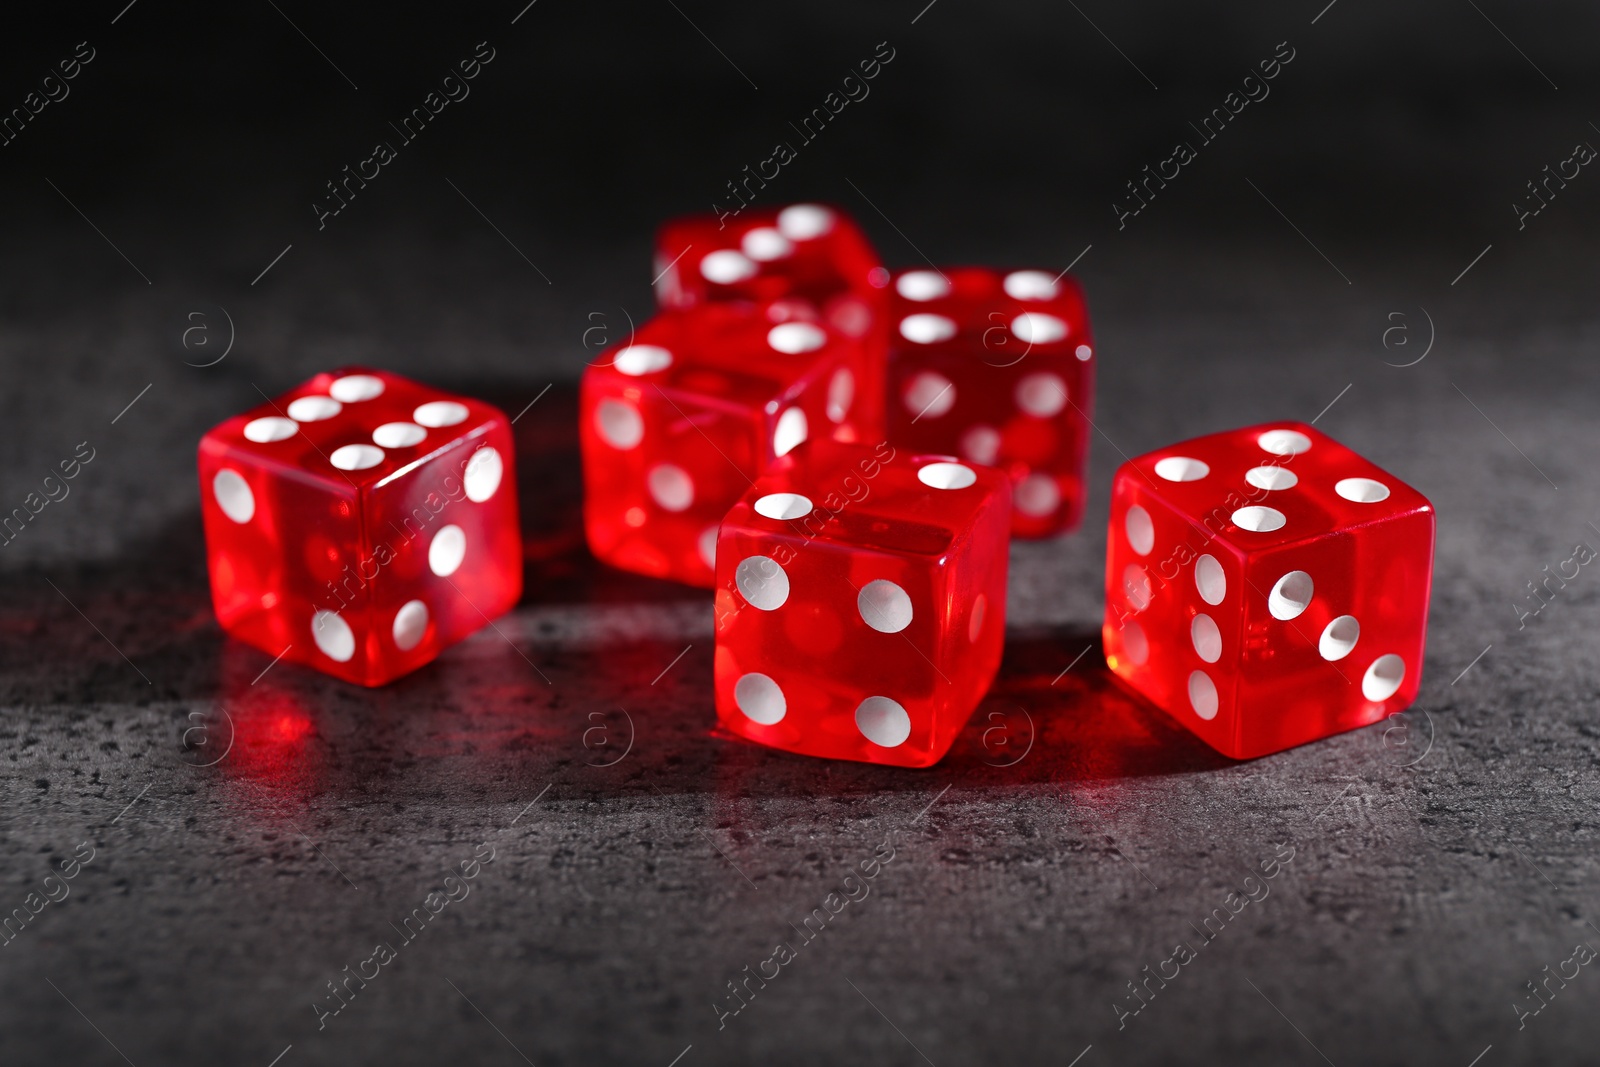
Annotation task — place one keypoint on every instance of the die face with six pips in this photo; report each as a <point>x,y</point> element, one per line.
<point>997,367</point>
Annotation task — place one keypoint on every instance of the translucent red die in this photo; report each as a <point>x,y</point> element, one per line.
<point>1267,586</point>
<point>997,367</point>
<point>861,602</point>
<point>803,250</point>
<point>677,423</point>
<point>360,523</point>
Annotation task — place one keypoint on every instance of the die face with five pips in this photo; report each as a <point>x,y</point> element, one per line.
<point>1267,586</point>
<point>860,602</point>
<point>361,523</point>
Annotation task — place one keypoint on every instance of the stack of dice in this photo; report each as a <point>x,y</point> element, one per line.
<point>843,455</point>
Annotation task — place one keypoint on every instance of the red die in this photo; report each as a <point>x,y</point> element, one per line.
<point>678,423</point>
<point>997,368</point>
<point>1267,586</point>
<point>803,250</point>
<point>861,597</point>
<point>361,523</point>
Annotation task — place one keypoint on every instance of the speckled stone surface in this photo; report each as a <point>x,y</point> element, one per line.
<point>255,833</point>
<point>256,829</point>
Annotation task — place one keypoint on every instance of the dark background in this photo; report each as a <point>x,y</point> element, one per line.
<point>251,839</point>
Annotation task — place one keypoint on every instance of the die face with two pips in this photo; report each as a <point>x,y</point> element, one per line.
<point>1267,586</point>
<point>997,367</point>
<point>361,523</point>
<point>860,602</point>
<point>678,422</point>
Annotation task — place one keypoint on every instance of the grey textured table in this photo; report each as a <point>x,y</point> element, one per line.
<point>257,829</point>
